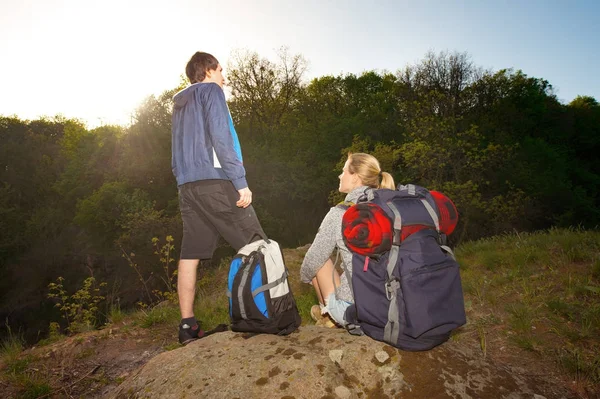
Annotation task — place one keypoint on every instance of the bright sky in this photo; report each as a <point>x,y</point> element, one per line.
<point>97,60</point>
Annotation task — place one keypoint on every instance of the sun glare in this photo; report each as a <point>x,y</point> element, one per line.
<point>100,60</point>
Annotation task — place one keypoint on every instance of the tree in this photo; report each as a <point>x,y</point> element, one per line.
<point>440,81</point>
<point>264,92</point>
<point>148,142</point>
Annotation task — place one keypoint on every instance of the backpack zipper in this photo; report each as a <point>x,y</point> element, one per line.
<point>428,269</point>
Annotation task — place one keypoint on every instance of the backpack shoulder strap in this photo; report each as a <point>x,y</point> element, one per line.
<point>432,213</point>
<point>344,205</point>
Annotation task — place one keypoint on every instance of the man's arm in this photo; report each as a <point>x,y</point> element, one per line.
<point>218,131</point>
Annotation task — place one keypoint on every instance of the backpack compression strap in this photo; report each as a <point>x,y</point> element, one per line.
<point>344,205</point>
<point>240,293</point>
<point>391,331</point>
<point>392,290</point>
<point>432,214</point>
<point>436,221</point>
<point>397,224</point>
<point>271,284</point>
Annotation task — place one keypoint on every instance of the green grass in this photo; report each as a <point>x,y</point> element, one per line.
<point>540,290</point>
<point>211,306</point>
<point>562,308</point>
<point>10,351</point>
<point>17,365</point>
<point>521,318</point>
<point>11,347</point>
<point>158,315</point>
<point>172,346</point>
<point>34,387</point>
<point>17,368</point>
<point>304,302</point>
<point>574,362</point>
<point>54,335</point>
<point>528,342</point>
<point>116,315</point>
<point>212,312</point>
<point>85,353</point>
<point>491,260</point>
<point>596,270</point>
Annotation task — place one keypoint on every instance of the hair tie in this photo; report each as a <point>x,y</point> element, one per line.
<point>380,174</point>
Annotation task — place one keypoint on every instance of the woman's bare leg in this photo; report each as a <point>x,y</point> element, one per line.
<point>315,285</point>
<point>323,282</point>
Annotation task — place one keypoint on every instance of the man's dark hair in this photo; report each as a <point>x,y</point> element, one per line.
<point>198,65</point>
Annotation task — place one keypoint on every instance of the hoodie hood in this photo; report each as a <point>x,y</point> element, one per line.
<point>183,96</point>
<point>358,192</point>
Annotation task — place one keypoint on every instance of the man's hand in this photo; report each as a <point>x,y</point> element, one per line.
<point>245,198</point>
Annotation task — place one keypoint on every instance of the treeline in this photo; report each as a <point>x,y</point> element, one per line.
<point>76,202</point>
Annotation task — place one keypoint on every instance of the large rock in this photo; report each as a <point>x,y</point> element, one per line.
<point>325,363</point>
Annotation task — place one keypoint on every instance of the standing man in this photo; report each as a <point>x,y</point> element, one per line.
<point>214,197</point>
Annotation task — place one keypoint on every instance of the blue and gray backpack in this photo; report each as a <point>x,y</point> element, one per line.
<point>260,298</point>
<point>410,296</point>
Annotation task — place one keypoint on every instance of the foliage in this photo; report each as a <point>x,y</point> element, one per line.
<point>79,309</point>
<point>53,334</point>
<point>167,278</point>
<point>103,212</point>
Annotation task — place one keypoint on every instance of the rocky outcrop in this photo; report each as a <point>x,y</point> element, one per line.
<point>316,362</point>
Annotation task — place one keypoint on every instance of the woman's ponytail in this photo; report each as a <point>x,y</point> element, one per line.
<point>387,181</point>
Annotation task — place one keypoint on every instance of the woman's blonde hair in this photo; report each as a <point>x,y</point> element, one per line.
<point>368,170</point>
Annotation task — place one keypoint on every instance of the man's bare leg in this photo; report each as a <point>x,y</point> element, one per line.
<point>186,286</point>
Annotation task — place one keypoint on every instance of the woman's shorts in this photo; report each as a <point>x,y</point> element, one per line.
<point>336,309</point>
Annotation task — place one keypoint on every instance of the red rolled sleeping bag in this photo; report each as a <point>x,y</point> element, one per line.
<point>448,212</point>
<point>367,230</point>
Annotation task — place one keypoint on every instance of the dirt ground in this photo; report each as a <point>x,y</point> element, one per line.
<point>90,365</point>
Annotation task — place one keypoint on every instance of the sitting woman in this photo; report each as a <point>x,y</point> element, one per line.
<point>361,173</point>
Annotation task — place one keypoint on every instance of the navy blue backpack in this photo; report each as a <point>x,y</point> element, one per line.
<point>410,296</point>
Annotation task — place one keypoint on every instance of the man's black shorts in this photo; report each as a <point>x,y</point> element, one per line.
<point>208,210</point>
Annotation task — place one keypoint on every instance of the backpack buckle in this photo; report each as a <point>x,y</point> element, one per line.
<point>442,238</point>
<point>354,329</point>
<point>397,240</point>
<point>391,287</point>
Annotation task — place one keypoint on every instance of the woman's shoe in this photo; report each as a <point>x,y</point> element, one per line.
<point>322,320</point>
<point>315,312</point>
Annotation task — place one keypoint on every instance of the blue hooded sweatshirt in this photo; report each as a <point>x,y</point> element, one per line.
<point>205,144</point>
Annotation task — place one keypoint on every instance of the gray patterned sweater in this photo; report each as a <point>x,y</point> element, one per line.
<point>328,238</point>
